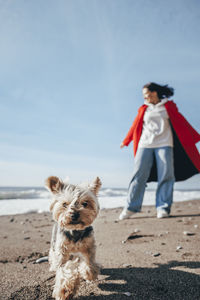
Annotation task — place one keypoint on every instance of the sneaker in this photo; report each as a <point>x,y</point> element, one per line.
<point>162,213</point>
<point>125,214</point>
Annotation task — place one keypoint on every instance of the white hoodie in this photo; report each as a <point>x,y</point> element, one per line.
<point>156,130</point>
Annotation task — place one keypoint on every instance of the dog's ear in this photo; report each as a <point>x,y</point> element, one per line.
<point>54,184</point>
<point>95,186</point>
<point>52,205</point>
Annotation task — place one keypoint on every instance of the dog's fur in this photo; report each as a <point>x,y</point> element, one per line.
<point>72,252</point>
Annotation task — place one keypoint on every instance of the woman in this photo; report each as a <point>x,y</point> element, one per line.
<point>164,149</point>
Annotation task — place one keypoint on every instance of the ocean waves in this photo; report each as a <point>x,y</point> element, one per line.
<point>29,199</point>
<point>10,193</point>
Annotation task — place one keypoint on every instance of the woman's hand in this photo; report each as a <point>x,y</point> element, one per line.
<point>122,146</point>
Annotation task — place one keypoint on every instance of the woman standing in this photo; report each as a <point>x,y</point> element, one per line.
<point>164,149</point>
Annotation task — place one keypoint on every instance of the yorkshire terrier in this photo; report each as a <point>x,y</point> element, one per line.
<point>72,252</point>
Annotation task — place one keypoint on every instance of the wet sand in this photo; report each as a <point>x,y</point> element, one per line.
<point>142,257</point>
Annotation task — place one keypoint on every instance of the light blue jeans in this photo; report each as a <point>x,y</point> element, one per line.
<point>165,170</point>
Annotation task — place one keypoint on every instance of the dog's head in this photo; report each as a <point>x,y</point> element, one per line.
<point>74,207</point>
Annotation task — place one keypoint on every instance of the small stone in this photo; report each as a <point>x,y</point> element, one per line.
<point>136,230</point>
<point>166,232</point>
<point>126,266</point>
<point>22,223</point>
<point>27,238</point>
<point>196,226</point>
<point>179,247</point>
<point>156,254</point>
<point>188,233</point>
<point>42,259</point>
<point>12,219</point>
<point>123,242</point>
<point>128,294</point>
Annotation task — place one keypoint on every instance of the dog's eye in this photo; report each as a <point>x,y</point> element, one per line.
<point>84,204</point>
<point>65,205</point>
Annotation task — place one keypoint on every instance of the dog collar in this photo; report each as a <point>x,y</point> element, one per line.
<point>76,235</point>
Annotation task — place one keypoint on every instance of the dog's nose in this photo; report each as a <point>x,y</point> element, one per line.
<point>75,216</point>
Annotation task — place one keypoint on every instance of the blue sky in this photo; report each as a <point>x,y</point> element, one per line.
<point>71,78</point>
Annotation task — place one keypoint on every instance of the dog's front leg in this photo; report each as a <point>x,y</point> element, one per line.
<point>89,268</point>
<point>58,257</point>
<point>67,279</point>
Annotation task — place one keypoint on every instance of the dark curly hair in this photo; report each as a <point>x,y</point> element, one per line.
<point>162,90</point>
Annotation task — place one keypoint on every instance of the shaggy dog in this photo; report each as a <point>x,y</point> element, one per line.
<point>72,252</point>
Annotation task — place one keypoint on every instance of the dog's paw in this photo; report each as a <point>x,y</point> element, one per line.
<point>92,272</point>
<point>62,294</point>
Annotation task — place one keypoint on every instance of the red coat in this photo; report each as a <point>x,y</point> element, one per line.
<point>186,155</point>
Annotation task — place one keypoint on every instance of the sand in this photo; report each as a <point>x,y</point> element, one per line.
<point>142,258</point>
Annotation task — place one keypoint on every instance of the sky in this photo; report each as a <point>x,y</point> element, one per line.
<point>71,82</point>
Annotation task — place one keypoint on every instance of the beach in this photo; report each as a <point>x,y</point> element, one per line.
<point>141,258</point>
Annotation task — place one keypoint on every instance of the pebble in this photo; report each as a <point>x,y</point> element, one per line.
<point>188,233</point>
<point>156,254</point>
<point>27,238</point>
<point>153,254</point>
<point>195,226</point>
<point>179,247</point>
<point>126,266</point>
<point>136,230</point>
<point>12,219</point>
<point>123,242</point>
<point>128,294</point>
<point>42,259</point>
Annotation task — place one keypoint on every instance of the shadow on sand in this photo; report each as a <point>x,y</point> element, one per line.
<point>165,281</point>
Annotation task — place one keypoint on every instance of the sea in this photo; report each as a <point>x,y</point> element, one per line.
<point>20,200</point>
